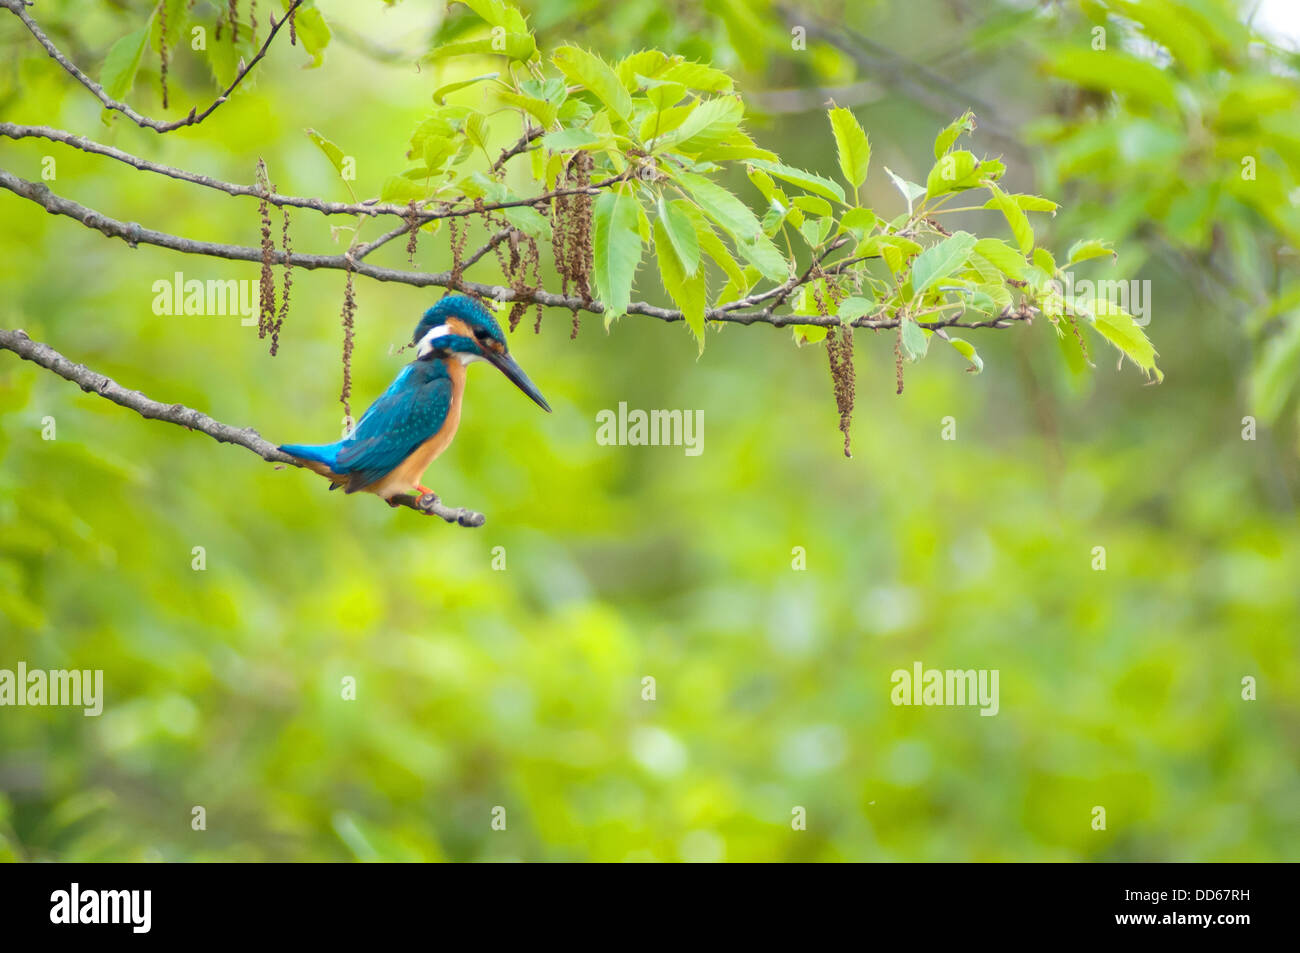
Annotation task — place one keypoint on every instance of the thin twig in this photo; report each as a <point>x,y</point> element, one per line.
<point>17,8</point>
<point>371,207</point>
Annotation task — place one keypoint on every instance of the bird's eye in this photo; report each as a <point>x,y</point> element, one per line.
<point>481,334</point>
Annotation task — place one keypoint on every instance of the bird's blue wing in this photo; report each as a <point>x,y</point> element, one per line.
<point>412,410</point>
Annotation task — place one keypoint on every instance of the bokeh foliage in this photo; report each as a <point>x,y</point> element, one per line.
<point>523,688</point>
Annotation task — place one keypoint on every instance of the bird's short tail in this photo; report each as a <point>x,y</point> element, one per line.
<point>326,453</point>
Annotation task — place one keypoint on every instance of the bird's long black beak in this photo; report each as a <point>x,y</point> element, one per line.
<point>506,364</point>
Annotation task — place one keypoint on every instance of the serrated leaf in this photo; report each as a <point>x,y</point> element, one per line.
<point>1003,257</point>
<point>941,260</point>
<point>963,124</point>
<point>852,146</point>
<point>681,233</point>
<point>688,291</point>
<point>595,74</point>
<point>952,173</point>
<point>544,111</point>
<point>731,213</point>
<point>706,125</point>
<point>1085,249</point>
<point>616,250</point>
<point>1016,218</point>
<point>499,13</point>
<point>808,181</point>
<point>698,76</point>
<point>1027,203</point>
<point>515,46</point>
<point>1118,327</point>
<point>763,254</point>
<point>712,245</point>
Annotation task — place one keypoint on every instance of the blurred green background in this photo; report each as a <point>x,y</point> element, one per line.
<point>522,688</point>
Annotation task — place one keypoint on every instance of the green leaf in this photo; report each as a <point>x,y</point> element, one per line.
<point>1016,218</point>
<point>687,290</point>
<point>1003,257</point>
<point>499,13</point>
<point>763,254</point>
<point>616,247</point>
<point>911,191</point>
<point>681,233</point>
<point>698,76</point>
<point>312,31</point>
<point>642,65</point>
<point>967,350</point>
<point>117,75</point>
<point>1275,376</point>
<point>595,74</point>
<point>529,221</point>
<point>809,333</point>
<point>963,124</point>
<point>332,152</point>
<point>1085,249</point>
<point>941,260</point>
<point>440,94</point>
<point>815,206</point>
<point>1028,203</point>
<point>706,125</point>
<point>853,307</point>
<point>516,46</point>
<point>1118,327</point>
<point>1114,71</point>
<point>568,139</point>
<point>731,213</point>
<point>858,222</point>
<point>399,190</point>
<point>952,173</point>
<point>916,341</point>
<point>852,145</point>
<point>805,180</point>
<point>712,245</point>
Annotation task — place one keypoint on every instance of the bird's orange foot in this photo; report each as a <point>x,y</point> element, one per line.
<point>424,490</point>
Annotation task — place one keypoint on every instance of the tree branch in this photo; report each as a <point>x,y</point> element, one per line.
<point>93,382</point>
<point>372,207</point>
<point>17,8</point>
<point>135,234</point>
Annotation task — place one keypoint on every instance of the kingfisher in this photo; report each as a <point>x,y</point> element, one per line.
<point>415,419</point>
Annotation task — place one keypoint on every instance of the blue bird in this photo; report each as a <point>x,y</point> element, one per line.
<point>416,418</point>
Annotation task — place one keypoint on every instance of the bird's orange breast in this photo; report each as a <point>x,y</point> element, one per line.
<point>407,475</point>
